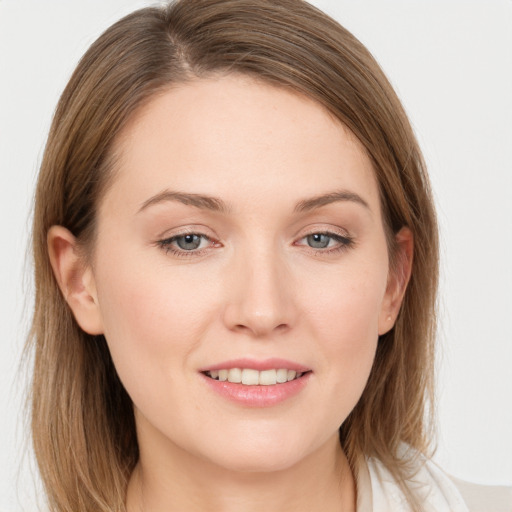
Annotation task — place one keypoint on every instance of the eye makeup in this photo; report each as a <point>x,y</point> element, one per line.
<point>193,243</point>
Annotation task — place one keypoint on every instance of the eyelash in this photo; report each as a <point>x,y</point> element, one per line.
<point>165,244</point>
<point>345,242</point>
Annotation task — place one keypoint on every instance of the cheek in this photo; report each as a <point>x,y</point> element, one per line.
<point>152,318</point>
<point>344,318</point>
<point>347,306</point>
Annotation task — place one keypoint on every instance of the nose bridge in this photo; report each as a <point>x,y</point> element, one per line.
<point>259,301</point>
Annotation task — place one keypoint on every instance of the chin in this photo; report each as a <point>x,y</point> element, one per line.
<point>259,454</point>
<point>257,462</point>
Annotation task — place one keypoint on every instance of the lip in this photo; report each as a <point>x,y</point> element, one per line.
<point>257,396</point>
<point>265,364</point>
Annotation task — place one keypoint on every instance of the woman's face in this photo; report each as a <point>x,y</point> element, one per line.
<point>242,231</point>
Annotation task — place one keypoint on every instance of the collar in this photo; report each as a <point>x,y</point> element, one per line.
<point>378,491</point>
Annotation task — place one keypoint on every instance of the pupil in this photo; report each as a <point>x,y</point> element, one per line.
<point>318,241</point>
<point>188,242</point>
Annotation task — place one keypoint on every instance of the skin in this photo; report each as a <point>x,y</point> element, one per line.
<point>254,288</point>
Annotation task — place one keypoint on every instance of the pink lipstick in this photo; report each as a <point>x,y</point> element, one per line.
<point>253,383</point>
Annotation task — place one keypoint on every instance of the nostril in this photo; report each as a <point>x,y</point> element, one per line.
<point>260,329</point>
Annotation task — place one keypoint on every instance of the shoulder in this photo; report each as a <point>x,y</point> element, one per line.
<point>435,490</point>
<point>484,498</point>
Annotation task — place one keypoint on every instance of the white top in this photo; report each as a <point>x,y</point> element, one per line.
<point>437,492</point>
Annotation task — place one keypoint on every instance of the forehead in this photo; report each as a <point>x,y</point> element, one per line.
<point>242,140</point>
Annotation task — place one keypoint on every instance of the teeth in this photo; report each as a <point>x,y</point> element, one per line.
<point>235,375</point>
<point>282,375</point>
<point>250,377</point>
<point>268,377</point>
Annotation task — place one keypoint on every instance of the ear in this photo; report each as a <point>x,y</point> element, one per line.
<point>75,279</point>
<point>398,279</point>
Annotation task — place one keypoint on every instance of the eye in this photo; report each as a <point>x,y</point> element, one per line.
<point>186,244</point>
<point>327,242</point>
<point>319,240</point>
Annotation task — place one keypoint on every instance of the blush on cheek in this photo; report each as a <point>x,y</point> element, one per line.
<point>351,316</point>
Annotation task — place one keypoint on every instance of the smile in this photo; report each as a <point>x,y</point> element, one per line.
<point>250,382</point>
<point>251,377</point>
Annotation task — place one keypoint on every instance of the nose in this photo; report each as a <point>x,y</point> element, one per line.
<point>260,298</point>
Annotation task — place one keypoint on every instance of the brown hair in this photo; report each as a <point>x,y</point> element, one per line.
<point>82,418</point>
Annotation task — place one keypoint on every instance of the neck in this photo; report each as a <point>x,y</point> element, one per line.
<point>180,481</point>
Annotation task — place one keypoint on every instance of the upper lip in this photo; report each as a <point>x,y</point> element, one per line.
<point>260,365</point>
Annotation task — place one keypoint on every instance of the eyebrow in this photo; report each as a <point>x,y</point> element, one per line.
<point>307,205</point>
<point>199,201</point>
<point>215,204</point>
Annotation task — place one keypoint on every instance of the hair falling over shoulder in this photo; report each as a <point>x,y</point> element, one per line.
<point>82,418</point>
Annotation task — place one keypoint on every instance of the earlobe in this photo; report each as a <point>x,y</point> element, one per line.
<point>75,279</point>
<point>398,279</point>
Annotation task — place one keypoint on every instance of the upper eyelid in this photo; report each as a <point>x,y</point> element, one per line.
<point>331,231</point>
<point>320,226</point>
<point>170,234</point>
<point>173,238</point>
<point>331,234</point>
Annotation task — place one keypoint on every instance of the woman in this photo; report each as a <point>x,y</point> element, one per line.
<point>236,269</point>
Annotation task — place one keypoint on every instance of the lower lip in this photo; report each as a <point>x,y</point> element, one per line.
<point>258,396</point>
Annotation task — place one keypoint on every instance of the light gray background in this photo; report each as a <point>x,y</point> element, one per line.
<point>451,63</point>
